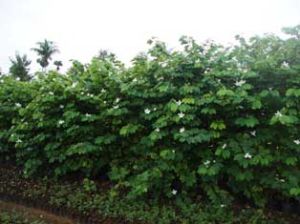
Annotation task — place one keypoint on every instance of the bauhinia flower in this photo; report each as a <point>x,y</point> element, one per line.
<point>19,141</point>
<point>116,107</point>
<point>18,105</point>
<point>157,129</point>
<point>206,163</point>
<point>51,93</point>
<point>181,115</point>
<point>278,114</point>
<point>253,133</point>
<point>134,80</point>
<point>117,100</point>
<point>163,64</point>
<point>18,79</point>
<point>178,102</point>
<point>147,111</point>
<point>240,83</point>
<point>285,64</point>
<point>247,155</point>
<point>74,84</point>
<point>174,192</point>
<point>297,141</point>
<point>61,122</point>
<point>182,130</point>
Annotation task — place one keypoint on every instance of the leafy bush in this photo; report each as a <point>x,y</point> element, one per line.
<point>207,119</point>
<point>13,96</point>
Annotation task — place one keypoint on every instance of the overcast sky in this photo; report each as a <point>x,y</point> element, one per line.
<point>81,28</point>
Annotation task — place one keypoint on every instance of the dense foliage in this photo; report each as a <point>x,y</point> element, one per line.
<point>205,121</point>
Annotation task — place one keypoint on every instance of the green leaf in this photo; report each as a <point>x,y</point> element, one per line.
<point>249,121</point>
<point>129,129</point>
<point>218,125</point>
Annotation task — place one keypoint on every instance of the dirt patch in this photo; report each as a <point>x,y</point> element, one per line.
<point>34,214</point>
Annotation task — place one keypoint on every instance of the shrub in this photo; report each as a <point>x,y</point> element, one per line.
<point>207,119</point>
<point>13,96</point>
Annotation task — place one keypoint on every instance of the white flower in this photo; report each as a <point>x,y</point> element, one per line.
<point>88,115</point>
<point>206,163</point>
<point>61,106</point>
<point>82,93</point>
<point>103,90</point>
<point>253,133</point>
<point>178,102</point>
<point>18,79</point>
<point>1,81</point>
<point>104,101</point>
<point>285,65</point>
<point>147,111</point>
<point>181,115</point>
<point>163,64</point>
<point>182,130</point>
<point>240,83</point>
<point>154,109</point>
<point>173,151</point>
<point>278,114</point>
<point>74,84</point>
<point>116,106</point>
<point>222,205</point>
<point>282,180</point>
<point>297,142</point>
<point>117,100</point>
<point>19,141</point>
<point>61,122</point>
<point>157,129</point>
<point>224,146</point>
<point>51,93</point>
<point>18,105</point>
<point>247,156</point>
<point>174,192</point>
<point>160,78</point>
<point>134,80</point>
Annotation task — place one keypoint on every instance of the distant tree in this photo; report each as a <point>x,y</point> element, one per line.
<point>45,50</point>
<point>19,68</point>
<point>58,64</point>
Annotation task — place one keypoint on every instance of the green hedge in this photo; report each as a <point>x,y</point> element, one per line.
<point>207,120</point>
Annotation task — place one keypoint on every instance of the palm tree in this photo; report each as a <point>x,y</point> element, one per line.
<point>45,50</point>
<point>58,64</point>
<point>19,68</point>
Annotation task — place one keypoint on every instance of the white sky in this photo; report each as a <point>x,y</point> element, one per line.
<point>81,28</point>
